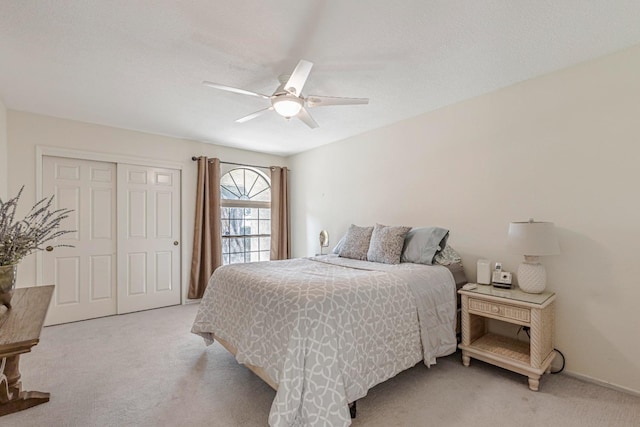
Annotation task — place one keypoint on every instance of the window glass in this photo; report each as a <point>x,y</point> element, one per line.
<point>245,216</point>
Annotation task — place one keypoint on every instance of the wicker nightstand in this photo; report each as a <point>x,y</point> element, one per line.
<point>535,311</point>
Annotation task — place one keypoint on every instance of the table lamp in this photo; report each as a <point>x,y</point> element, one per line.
<point>324,240</point>
<point>533,239</point>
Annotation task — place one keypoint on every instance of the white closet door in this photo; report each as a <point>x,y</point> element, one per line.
<point>148,237</point>
<point>84,275</point>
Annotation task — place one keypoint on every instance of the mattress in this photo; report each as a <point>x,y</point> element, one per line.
<point>327,329</point>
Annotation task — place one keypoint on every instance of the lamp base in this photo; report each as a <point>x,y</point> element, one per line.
<point>532,276</point>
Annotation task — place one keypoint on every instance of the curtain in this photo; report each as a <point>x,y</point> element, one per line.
<point>207,238</point>
<point>280,219</point>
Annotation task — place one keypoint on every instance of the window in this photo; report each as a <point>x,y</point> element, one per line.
<point>246,216</point>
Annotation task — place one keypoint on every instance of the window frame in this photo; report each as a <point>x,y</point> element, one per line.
<point>243,204</point>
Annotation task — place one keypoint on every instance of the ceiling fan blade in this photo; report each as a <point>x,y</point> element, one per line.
<point>322,101</point>
<point>307,119</point>
<point>253,115</point>
<point>298,78</point>
<point>234,89</point>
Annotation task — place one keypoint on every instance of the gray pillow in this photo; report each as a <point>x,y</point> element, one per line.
<point>356,242</point>
<point>422,244</point>
<point>339,246</point>
<point>386,244</point>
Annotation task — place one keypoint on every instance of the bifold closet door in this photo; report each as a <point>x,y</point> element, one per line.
<point>148,237</point>
<point>85,274</point>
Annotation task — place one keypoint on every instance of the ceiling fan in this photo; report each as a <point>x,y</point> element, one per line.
<point>288,101</point>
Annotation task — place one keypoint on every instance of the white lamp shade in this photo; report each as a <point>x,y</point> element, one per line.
<point>533,238</point>
<point>287,106</point>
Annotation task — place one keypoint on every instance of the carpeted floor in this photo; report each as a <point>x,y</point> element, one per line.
<point>147,369</point>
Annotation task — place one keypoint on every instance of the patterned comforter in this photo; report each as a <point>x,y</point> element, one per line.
<point>327,329</point>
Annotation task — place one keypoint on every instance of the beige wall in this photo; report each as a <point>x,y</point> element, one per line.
<point>3,151</point>
<point>564,147</point>
<point>26,131</point>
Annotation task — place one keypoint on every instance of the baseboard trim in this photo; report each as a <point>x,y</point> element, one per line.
<point>602,383</point>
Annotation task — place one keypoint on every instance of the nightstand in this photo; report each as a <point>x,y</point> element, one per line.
<point>535,311</point>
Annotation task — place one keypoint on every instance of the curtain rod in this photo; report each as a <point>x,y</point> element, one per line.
<point>195,159</point>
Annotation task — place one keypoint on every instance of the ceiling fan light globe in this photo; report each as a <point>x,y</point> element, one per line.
<point>287,106</point>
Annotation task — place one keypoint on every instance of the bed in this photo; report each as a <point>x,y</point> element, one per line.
<point>323,330</point>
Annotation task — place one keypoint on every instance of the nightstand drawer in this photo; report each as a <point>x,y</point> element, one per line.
<point>500,310</point>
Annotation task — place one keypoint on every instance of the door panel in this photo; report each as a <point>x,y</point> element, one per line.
<point>137,277</point>
<point>102,213</point>
<point>164,221</point>
<point>137,214</point>
<point>67,172</point>
<point>101,277</point>
<point>67,273</point>
<point>163,271</point>
<point>84,275</point>
<point>149,224</point>
<point>68,196</point>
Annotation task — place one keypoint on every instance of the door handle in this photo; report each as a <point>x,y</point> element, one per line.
<point>175,243</point>
<point>49,248</point>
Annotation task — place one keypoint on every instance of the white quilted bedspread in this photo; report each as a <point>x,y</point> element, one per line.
<point>327,329</point>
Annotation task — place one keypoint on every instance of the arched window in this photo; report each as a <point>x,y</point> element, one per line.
<point>246,215</point>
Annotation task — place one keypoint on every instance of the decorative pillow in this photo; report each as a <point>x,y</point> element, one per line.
<point>356,242</point>
<point>386,244</point>
<point>447,256</point>
<point>339,246</point>
<point>422,244</point>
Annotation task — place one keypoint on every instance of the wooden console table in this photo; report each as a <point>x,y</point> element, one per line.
<point>20,329</point>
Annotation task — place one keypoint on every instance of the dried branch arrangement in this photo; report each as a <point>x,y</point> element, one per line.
<point>19,238</point>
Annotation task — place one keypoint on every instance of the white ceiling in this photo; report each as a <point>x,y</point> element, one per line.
<point>139,64</point>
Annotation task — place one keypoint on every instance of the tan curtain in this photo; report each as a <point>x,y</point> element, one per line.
<point>207,246</point>
<point>280,220</point>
